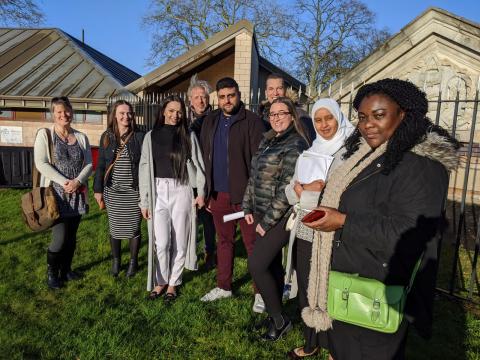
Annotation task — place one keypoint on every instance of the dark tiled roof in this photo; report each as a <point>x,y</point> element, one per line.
<point>49,62</point>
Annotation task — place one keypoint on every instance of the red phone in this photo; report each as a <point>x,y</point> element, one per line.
<point>313,215</point>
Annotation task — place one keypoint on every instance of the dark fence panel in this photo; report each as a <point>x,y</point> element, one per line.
<point>15,166</point>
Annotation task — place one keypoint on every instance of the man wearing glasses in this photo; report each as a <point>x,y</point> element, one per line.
<point>229,138</point>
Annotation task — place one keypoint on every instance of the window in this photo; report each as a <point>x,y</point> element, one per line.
<point>87,117</point>
<point>7,114</point>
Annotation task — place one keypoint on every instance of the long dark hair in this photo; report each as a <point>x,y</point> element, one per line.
<point>182,148</point>
<point>412,130</point>
<point>112,124</point>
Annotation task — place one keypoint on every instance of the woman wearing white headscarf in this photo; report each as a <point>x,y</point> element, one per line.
<point>303,192</point>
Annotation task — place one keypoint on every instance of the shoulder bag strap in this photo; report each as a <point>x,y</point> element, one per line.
<point>35,172</point>
<point>414,273</point>
<point>119,152</point>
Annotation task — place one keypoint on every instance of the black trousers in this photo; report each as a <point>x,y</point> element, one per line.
<point>206,219</point>
<point>64,236</point>
<point>301,263</point>
<point>265,266</point>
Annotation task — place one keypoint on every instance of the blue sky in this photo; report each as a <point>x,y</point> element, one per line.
<point>114,27</point>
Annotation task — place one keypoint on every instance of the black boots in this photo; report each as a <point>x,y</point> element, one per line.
<point>279,326</point>
<point>115,245</point>
<point>66,272</point>
<point>134,247</point>
<point>53,268</point>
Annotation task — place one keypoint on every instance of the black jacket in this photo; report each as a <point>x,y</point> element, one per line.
<point>196,121</point>
<point>245,135</point>
<point>391,220</point>
<point>107,155</point>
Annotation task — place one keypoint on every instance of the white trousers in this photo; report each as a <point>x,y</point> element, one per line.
<point>172,223</point>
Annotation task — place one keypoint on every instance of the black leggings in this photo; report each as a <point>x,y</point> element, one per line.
<point>64,235</point>
<point>265,266</point>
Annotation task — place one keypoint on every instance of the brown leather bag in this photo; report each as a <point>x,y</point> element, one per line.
<point>39,207</point>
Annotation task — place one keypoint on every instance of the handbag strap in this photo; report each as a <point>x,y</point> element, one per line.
<point>119,153</point>
<point>414,273</point>
<point>35,172</point>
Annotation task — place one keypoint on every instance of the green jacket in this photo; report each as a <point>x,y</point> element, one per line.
<point>272,168</point>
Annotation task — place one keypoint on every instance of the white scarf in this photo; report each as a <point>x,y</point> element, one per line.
<point>345,128</point>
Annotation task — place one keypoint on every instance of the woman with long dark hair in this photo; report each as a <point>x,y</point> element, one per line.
<point>116,182</point>
<point>171,166</point>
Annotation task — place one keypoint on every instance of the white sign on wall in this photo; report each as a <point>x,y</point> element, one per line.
<point>11,135</point>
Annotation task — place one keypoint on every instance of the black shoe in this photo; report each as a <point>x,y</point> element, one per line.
<point>115,267</point>
<point>134,248</point>
<point>116,260</point>
<point>132,268</point>
<point>273,334</point>
<point>70,275</point>
<point>53,278</point>
<point>262,324</point>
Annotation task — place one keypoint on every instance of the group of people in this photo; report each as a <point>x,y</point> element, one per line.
<point>381,186</point>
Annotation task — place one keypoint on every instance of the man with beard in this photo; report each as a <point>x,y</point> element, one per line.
<point>229,138</point>
<point>198,97</point>
<point>274,88</point>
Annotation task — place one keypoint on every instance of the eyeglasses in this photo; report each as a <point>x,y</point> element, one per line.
<point>281,115</point>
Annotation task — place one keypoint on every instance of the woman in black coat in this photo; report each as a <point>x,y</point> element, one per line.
<point>383,211</point>
<point>116,182</point>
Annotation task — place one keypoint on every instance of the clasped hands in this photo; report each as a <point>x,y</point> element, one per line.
<point>70,186</point>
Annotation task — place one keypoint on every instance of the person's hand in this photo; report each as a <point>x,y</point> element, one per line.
<point>332,221</point>
<point>99,198</point>
<point>199,201</point>
<point>260,230</point>
<point>249,219</point>
<point>207,206</point>
<point>70,186</point>
<point>145,214</point>
<point>298,188</point>
<point>316,185</point>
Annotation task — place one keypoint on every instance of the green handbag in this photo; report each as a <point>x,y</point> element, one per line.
<point>368,303</point>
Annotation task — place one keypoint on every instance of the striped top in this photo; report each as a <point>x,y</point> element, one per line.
<point>124,214</point>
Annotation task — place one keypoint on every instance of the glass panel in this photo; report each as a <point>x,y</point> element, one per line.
<point>6,114</point>
<point>93,117</point>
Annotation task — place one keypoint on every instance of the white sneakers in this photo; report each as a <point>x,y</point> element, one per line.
<point>216,294</point>
<point>258,304</point>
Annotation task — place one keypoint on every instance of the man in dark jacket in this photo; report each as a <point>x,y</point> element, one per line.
<point>198,97</point>
<point>274,88</point>
<point>229,138</point>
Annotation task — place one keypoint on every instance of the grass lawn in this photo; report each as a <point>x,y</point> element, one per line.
<point>100,317</point>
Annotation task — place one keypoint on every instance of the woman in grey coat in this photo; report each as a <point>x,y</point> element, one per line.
<point>170,167</point>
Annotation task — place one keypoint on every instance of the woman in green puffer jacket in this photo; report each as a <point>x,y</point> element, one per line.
<point>266,204</point>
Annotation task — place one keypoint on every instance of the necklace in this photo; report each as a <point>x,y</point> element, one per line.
<point>62,135</point>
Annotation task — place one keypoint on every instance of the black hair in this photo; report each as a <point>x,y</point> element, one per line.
<point>226,82</point>
<point>182,148</point>
<point>411,131</point>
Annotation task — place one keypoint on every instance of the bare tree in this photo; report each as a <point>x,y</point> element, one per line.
<point>178,25</point>
<point>330,37</point>
<point>20,12</point>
